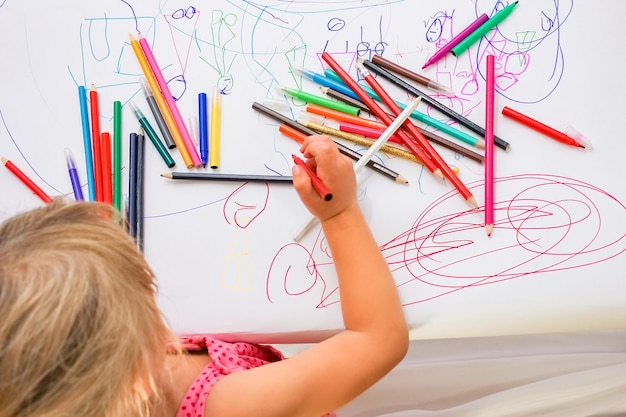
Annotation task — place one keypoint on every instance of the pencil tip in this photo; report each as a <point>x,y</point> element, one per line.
<point>489,229</point>
<point>4,160</point>
<point>401,179</point>
<point>472,201</point>
<point>437,173</point>
<point>167,175</point>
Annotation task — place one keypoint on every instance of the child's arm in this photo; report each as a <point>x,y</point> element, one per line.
<point>331,373</point>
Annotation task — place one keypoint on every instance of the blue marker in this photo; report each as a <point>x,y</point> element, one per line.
<point>325,81</point>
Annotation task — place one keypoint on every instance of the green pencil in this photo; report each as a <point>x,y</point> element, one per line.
<point>483,29</point>
<point>322,101</point>
<point>167,158</point>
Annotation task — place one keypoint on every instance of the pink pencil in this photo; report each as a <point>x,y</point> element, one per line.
<point>167,95</point>
<point>489,143</point>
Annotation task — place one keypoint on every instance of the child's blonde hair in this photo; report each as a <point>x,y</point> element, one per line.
<point>80,331</point>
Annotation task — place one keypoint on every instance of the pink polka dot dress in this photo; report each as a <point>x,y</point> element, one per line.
<point>225,359</point>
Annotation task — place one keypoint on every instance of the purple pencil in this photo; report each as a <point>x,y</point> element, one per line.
<point>458,38</point>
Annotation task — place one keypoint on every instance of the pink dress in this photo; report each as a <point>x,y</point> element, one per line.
<point>225,359</point>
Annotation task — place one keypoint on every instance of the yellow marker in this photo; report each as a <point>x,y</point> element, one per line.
<point>214,137</point>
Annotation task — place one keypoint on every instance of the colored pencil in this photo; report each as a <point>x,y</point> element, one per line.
<point>84,117</point>
<point>117,155</point>
<point>169,99</point>
<point>361,140</point>
<point>421,140</point>
<point>489,145</point>
<point>456,39</point>
<point>380,70</point>
<point>156,113</point>
<point>428,120</point>
<point>350,153</point>
<point>95,142</point>
<point>374,124</point>
<point>345,98</point>
<point>316,181</point>
<point>213,176</point>
<point>216,127</point>
<point>380,113</point>
<point>106,165</point>
<point>412,75</point>
<point>26,181</point>
<point>162,104</point>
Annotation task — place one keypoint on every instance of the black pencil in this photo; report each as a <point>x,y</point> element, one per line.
<point>378,69</point>
<point>352,154</point>
<point>211,176</point>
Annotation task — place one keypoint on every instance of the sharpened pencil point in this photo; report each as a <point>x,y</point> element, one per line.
<point>472,201</point>
<point>167,175</point>
<point>489,229</point>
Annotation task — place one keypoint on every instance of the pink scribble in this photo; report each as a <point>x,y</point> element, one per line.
<point>543,224</point>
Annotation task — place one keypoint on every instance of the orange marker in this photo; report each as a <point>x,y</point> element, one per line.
<point>292,133</point>
<point>317,183</point>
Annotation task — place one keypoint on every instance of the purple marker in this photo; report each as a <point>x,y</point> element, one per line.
<point>71,168</point>
<point>458,38</point>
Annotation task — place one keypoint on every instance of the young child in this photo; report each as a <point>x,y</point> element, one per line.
<point>81,333</point>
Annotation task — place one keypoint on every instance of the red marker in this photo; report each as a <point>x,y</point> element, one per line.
<point>317,183</point>
<point>547,130</point>
<point>27,181</point>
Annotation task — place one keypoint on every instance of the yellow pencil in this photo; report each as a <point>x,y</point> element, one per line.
<point>161,103</point>
<point>214,138</point>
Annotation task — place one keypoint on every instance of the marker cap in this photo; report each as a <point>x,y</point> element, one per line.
<point>573,133</point>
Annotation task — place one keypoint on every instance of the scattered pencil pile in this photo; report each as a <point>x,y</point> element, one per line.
<point>338,112</point>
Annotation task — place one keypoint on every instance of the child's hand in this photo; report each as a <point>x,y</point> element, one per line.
<point>334,169</point>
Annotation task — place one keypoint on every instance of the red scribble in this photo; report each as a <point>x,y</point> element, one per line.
<point>543,223</point>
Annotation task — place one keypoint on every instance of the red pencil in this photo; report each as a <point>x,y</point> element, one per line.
<point>107,172</point>
<point>421,140</point>
<point>317,183</point>
<point>27,181</point>
<point>95,142</point>
<point>379,112</point>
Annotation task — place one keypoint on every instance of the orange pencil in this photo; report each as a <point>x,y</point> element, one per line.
<point>27,181</point>
<point>107,171</point>
<point>95,142</point>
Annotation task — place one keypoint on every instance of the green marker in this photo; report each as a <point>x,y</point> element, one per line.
<point>167,158</point>
<point>483,29</point>
<point>321,101</point>
<point>117,155</point>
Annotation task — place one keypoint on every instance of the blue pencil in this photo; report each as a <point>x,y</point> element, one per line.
<point>84,116</point>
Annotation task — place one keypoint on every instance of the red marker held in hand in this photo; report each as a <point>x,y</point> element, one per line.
<point>317,183</point>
